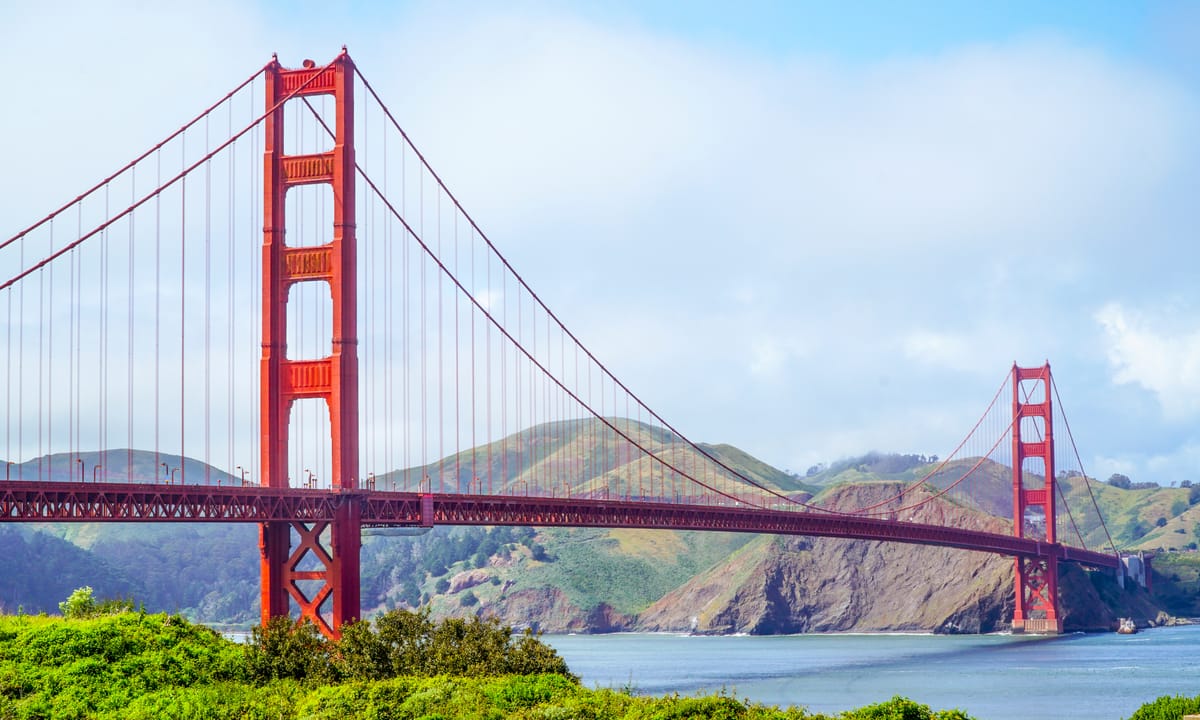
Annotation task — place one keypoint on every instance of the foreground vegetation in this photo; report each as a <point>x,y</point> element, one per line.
<point>105,661</point>
<point>1168,708</point>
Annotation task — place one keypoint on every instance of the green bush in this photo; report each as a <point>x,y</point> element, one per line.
<point>79,605</point>
<point>84,668</point>
<point>399,643</point>
<point>284,649</point>
<point>901,708</point>
<point>1168,708</point>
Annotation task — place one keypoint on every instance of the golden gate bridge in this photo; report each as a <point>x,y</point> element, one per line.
<point>287,308</point>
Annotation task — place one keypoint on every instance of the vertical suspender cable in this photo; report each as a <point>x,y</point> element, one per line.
<point>8,456</point>
<point>129,336</point>
<point>487,362</point>
<point>71,448</point>
<point>407,349</point>
<point>230,298</point>
<point>182,321</point>
<point>369,401</point>
<point>457,370</point>
<point>157,309</point>
<point>441,418</point>
<point>79,340</point>
<point>41,356</point>
<point>208,310</point>
<point>424,352</point>
<point>21,362</point>
<point>474,418</point>
<point>102,429</point>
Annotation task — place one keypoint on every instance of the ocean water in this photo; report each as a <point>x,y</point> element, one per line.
<point>992,677</point>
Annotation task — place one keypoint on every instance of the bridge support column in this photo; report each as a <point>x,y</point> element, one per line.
<point>323,582</point>
<point>1036,578</point>
<point>1036,609</point>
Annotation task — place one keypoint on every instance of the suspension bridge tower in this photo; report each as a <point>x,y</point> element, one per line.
<point>288,575</point>
<point>1036,578</point>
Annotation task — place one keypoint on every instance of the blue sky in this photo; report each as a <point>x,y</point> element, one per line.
<point>849,219</point>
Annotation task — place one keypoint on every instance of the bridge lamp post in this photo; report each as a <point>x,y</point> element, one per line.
<point>242,470</point>
<point>79,461</point>
<point>171,481</point>
<point>7,469</point>
<point>95,469</point>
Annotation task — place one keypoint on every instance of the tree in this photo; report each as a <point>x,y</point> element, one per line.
<point>284,649</point>
<point>1160,522</point>
<point>468,599</point>
<point>531,656</point>
<point>1194,495</point>
<point>409,643</point>
<point>362,655</point>
<point>80,604</point>
<point>469,648</point>
<point>405,637</point>
<point>1118,480</point>
<point>410,594</point>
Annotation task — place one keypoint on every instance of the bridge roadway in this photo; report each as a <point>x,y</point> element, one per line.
<point>29,501</point>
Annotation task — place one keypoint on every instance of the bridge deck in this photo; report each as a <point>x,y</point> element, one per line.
<point>25,501</point>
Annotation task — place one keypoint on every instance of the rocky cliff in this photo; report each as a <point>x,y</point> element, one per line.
<point>772,584</point>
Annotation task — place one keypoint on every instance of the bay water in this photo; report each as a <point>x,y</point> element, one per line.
<point>991,677</point>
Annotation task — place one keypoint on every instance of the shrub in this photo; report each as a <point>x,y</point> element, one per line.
<point>79,605</point>
<point>1167,708</point>
<point>1118,480</point>
<point>405,643</point>
<point>284,649</point>
<point>901,708</point>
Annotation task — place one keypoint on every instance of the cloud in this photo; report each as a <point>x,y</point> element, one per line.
<point>953,352</point>
<point>1165,361</point>
<point>892,231</point>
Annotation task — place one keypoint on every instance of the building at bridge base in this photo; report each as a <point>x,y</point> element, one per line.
<point>1036,608</point>
<point>321,580</point>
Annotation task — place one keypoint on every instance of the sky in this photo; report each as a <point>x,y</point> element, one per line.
<point>810,230</point>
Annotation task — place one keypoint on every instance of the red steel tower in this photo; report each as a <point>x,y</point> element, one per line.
<point>1033,501</point>
<point>334,378</point>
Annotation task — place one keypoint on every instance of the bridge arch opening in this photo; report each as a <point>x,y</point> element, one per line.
<point>305,120</point>
<point>310,321</point>
<point>310,455</point>
<point>309,210</point>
